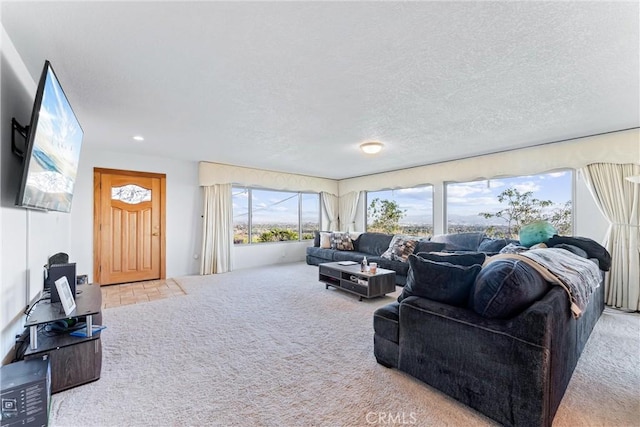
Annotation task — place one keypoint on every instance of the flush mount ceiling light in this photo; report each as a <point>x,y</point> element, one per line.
<point>372,147</point>
<point>138,138</point>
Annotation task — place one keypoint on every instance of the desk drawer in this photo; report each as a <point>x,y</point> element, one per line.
<point>354,287</point>
<point>326,271</point>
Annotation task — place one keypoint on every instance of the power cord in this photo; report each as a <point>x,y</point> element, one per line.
<point>22,342</point>
<point>28,309</point>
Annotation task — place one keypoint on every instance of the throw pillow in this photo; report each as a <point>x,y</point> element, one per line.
<point>457,259</point>
<point>341,241</point>
<point>400,248</point>
<point>536,232</point>
<point>494,245</point>
<point>505,288</point>
<point>316,238</point>
<point>325,240</point>
<point>439,281</point>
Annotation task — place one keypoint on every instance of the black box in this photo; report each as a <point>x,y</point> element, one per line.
<point>56,271</point>
<point>25,393</point>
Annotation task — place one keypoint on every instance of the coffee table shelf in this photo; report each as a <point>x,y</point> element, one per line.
<point>349,278</point>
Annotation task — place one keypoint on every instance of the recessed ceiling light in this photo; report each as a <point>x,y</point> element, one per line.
<point>372,147</point>
<point>138,138</point>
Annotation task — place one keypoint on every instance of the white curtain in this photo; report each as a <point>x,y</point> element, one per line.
<point>217,230</point>
<point>618,199</point>
<point>348,205</point>
<point>330,203</point>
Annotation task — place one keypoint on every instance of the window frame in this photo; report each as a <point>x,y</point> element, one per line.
<point>367,200</point>
<point>299,227</point>
<point>445,204</point>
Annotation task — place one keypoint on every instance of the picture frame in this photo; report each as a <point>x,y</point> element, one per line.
<point>66,297</point>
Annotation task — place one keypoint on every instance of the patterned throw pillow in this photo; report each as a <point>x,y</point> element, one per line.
<point>341,241</point>
<point>400,248</point>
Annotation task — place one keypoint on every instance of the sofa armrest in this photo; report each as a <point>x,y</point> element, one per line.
<point>499,367</point>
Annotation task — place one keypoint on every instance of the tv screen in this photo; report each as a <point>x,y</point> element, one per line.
<point>52,150</point>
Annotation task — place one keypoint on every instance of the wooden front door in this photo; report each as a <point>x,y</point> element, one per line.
<point>129,212</point>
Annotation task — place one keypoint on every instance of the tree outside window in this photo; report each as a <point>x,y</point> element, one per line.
<point>403,211</point>
<point>501,207</point>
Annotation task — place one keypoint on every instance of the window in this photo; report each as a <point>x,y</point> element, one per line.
<point>240,197</point>
<point>403,211</point>
<point>261,216</point>
<point>499,207</point>
<point>309,214</point>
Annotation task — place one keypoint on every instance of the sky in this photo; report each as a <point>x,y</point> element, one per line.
<point>275,206</point>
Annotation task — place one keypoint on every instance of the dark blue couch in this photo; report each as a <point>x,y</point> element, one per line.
<point>513,370</point>
<point>372,245</point>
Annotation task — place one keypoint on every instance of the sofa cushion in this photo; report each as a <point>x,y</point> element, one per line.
<point>439,281</point>
<point>349,256</point>
<point>341,241</point>
<point>494,245</point>
<point>591,247</point>
<point>427,246</point>
<point>536,232</point>
<point>400,248</point>
<point>401,268</point>
<point>459,241</point>
<point>374,243</point>
<point>321,253</point>
<point>355,239</point>
<point>457,259</point>
<point>385,321</point>
<point>505,288</point>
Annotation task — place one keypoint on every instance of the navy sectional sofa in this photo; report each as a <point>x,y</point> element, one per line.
<point>373,245</point>
<point>514,367</point>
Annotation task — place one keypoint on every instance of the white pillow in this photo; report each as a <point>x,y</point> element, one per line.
<point>325,240</point>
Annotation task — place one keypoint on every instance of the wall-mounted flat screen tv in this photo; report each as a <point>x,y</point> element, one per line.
<point>52,151</point>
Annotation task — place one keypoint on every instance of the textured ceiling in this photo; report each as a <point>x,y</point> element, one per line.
<point>297,86</point>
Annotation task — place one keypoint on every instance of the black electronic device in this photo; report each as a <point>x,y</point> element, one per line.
<point>51,150</point>
<point>56,271</point>
<point>25,393</point>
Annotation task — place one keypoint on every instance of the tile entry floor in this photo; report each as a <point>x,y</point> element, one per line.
<point>139,292</point>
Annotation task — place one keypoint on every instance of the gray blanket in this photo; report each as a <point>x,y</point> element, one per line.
<point>579,276</point>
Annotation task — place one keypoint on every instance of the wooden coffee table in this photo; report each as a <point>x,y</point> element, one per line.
<point>364,284</point>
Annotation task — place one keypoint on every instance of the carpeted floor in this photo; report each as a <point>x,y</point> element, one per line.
<point>272,347</point>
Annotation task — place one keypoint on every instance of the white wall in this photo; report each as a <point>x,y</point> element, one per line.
<point>249,256</point>
<point>28,238</point>
<point>184,208</point>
